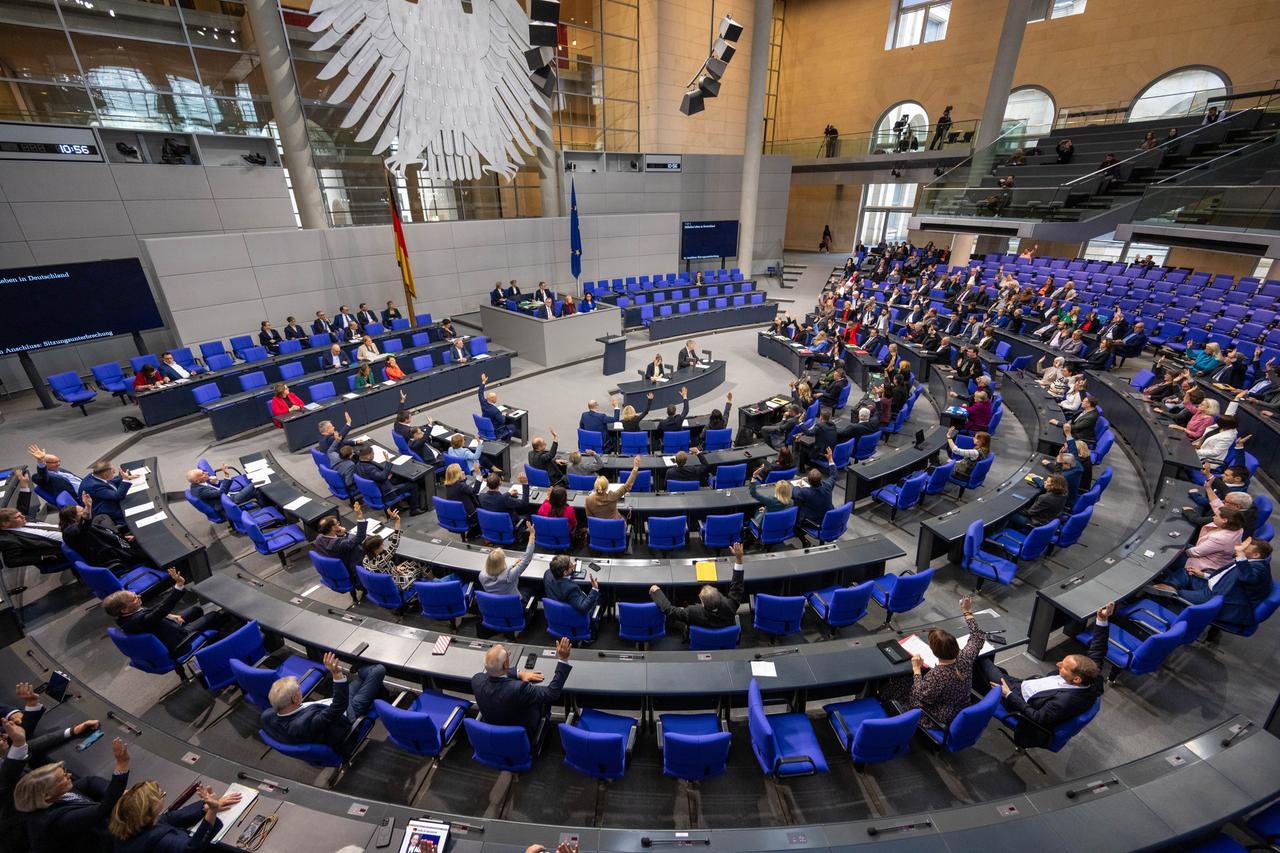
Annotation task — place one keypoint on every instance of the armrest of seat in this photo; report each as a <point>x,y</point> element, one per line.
<point>448,721</point>
<point>352,738</point>
<point>780,762</point>
<point>469,593</point>
<point>812,602</point>
<point>932,722</point>
<point>844,727</point>
<point>595,613</point>
<point>1128,655</point>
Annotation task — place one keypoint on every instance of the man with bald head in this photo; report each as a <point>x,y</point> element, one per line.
<point>506,697</point>
<point>210,489</point>
<point>597,421</point>
<point>503,426</point>
<point>50,476</point>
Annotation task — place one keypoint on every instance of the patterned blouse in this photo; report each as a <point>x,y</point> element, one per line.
<point>942,691</point>
<point>405,571</point>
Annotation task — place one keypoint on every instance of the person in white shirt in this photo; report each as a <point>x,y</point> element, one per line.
<point>368,351</point>
<point>170,368</point>
<point>460,351</point>
<point>335,359</point>
<point>1218,440</point>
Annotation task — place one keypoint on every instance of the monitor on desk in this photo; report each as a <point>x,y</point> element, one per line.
<point>919,439</point>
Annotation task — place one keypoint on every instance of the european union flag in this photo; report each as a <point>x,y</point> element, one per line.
<point>575,234</point>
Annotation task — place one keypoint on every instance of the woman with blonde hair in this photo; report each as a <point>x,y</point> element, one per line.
<point>139,826</point>
<point>603,503</point>
<point>631,419</point>
<point>1206,414</point>
<point>368,351</point>
<point>779,500</point>
<point>500,579</point>
<point>62,814</point>
<point>459,449</point>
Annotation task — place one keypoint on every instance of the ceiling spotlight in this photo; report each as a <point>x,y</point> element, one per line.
<point>692,102</point>
<point>708,86</point>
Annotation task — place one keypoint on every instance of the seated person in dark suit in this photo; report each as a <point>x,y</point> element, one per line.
<point>342,461</point>
<point>655,369</point>
<point>496,297</point>
<point>512,291</point>
<point>391,312</point>
<point>776,434</point>
<point>1082,425</point>
<point>336,541</point>
<point>496,499</point>
<point>543,293</point>
<point>503,424</point>
<point>546,311</point>
<point>365,315</point>
<point>293,331</point>
<point>107,488</point>
<point>1052,700</point>
<point>831,394</point>
<point>26,543</point>
<point>674,421</point>
<point>687,467</point>
<point>139,824</point>
<point>814,500</point>
<point>331,438</point>
<point>688,356</point>
<point>290,720</point>
<point>1242,583</point>
<point>378,472</point>
<point>97,540</point>
<point>544,458</point>
<point>1047,506</point>
<point>170,368</point>
<point>714,609</point>
<point>50,476</point>
<point>558,585</point>
<point>210,489</point>
<point>174,630</point>
<point>459,350</point>
<point>595,420</point>
<point>269,338</point>
<point>22,720</point>
<point>322,325</point>
<point>1235,478</point>
<point>508,698</point>
<point>66,814</point>
<point>824,435</point>
<point>857,429</point>
<point>1233,370</point>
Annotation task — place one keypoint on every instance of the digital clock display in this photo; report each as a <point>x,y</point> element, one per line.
<point>63,149</point>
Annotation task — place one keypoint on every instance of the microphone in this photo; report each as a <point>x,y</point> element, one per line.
<point>1091,788</point>
<point>36,661</point>
<point>270,784</point>
<point>1227,741</point>
<point>646,841</point>
<point>244,577</point>
<point>794,650</point>
<point>112,715</point>
<point>873,831</point>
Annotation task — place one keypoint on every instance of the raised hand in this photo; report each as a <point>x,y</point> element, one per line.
<point>966,605</point>
<point>14,732</point>
<point>736,550</point>
<point>562,648</point>
<point>346,416</point>
<point>331,663</point>
<point>358,509</point>
<point>120,750</point>
<point>402,399</point>
<point>484,379</point>
<point>37,452</point>
<point>175,576</point>
<point>25,693</point>
<point>649,396</point>
<point>684,393</point>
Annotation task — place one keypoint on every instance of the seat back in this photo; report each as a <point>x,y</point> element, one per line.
<point>675,441</point>
<point>667,533</point>
<point>316,754</point>
<point>849,604</point>
<point>763,742</point>
<point>452,515</point>
<point>552,533</point>
<point>499,747</point>
<point>333,572</point>
<point>369,491</point>
<point>239,344</point>
<point>144,651</point>
<point>969,724</point>
<point>219,361</point>
<point>291,370</point>
<point>1071,727</point>
<point>422,362</point>
<point>635,442</point>
<point>640,622</point>
<point>730,476</point>
<point>442,599</point>
<point>1038,540</point>
<point>107,374</point>
<point>210,349</point>
<point>209,512</point>
<point>835,522</point>
<point>337,486</point>
<point>537,477</point>
<point>778,614</point>
<point>412,731</point>
<point>244,644</point>
<point>380,588</point>
<point>718,439</point>
<point>607,534</point>
<point>1087,499</point>
<point>600,755</point>
<point>501,613</point>
<point>1263,506</point>
<point>1071,530</point>
<point>254,354</point>
<point>1197,617</point>
<point>321,391</point>
<point>780,474</point>
<point>909,591</point>
<point>582,482</point>
<point>496,526</point>
<point>290,346</point>
<point>484,428</point>
<point>589,439</point>
<point>253,681</point>
<point>708,639</point>
<point>912,489</point>
<point>564,621</point>
<point>1154,649</point>
<point>1102,448</point>
<point>138,361</point>
<point>866,446</point>
<point>65,384</point>
<point>102,582</point>
<point>255,379</point>
<point>695,757</point>
<point>778,526</point>
<point>683,485</point>
<point>842,453</point>
<point>884,739</point>
<point>722,531</point>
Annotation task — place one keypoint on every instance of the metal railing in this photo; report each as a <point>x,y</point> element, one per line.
<point>1243,207</point>
<point>1180,105</point>
<point>957,135</point>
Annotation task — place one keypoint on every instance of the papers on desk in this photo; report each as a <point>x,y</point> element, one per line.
<point>401,459</point>
<point>297,502</point>
<point>350,395</point>
<point>685,423</point>
<point>669,461</point>
<point>256,465</point>
<point>388,382</point>
<point>311,407</point>
<point>260,476</point>
<point>137,485</point>
<point>616,487</point>
<point>232,815</point>
<point>438,431</point>
<point>371,527</point>
<point>616,426</point>
<point>515,413</point>
<point>150,519</point>
<point>134,510</point>
<point>141,472</point>
<point>482,355</point>
<point>764,669</point>
<point>661,379</point>
<point>380,455</point>
<point>361,439</point>
<point>706,570</point>
<point>915,645</point>
<point>701,365</point>
<point>475,442</point>
<point>775,403</point>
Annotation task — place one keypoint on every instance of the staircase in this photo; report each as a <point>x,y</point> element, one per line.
<point>791,274</point>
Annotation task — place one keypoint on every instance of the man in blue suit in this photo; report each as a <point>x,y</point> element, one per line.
<point>814,500</point>
<point>343,319</point>
<point>1132,344</point>
<point>558,585</point>
<point>1243,584</point>
<point>509,698</point>
<point>211,489</point>
<point>107,488</point>
<point>174,630</point>
<point>503,426</point>
<point>290,720</point>
<point>50,477</point>
<point>597,421</point>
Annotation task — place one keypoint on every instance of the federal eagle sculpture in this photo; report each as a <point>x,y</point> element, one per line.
<point>447,82</point>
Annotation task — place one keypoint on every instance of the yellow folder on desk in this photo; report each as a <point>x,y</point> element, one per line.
<point>706,570</point>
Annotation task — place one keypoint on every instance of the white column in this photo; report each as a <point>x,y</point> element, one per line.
<point>753,138</point>
<point>1006,61</point>
<point>286,103</point>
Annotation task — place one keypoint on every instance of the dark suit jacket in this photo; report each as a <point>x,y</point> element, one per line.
<point>649,371</point>
<point>675,422</point>
<point>502,501</point>
<point>464,492</point>
<point>380,473</point>
<point>343,321</point>
<point>101,545</point>
<point>696,614</point>
<point>545,460</point>
<point>512,293</point>
<point>543,295</point>
<point>321,327</point>
<point>296,333</point>
<point>831,394</point>
<point>1082,425</point>
<point>169,835</point>
<point>1231,374</point>
<point>497,299</point>
<point>346,548</point>
<point>269,339</point>
<point>686,358</point>
<point>27,549</point>
<point>106,495</point>
<point>1246,584</point>
<point>364,318</point>
<point>568,591</point>
<point>507,701</point>
<point>598,421</point>
<point>815,502</point>
<point>80,827</point>
<point>1049,709</point>
<point>824,436</point>
<point>689,471</point>
<point>1045,508</point>
<point>154,620</point>
<point>325,724</point>
<point>389,314</point>
<point>53,482</point>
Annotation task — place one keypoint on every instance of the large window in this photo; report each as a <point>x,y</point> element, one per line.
<point>918,22</point>
<point>891,135</point>
<point>886,209</point>
<point>1107,248</point>
<point>1180,93</point>
<point>1043,9</point>
<point>1032,105</point>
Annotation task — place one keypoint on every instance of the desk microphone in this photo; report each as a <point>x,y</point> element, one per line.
<point>622,655</point>
<point>243,577</point>
<point>873,831</point>
<point>1227,741</point>
<point>270,784</point>
<point>1092,788</point>
<point>794,650</point>
<point>36,661</point>
<point>646,841</point>
<point>112,715</point>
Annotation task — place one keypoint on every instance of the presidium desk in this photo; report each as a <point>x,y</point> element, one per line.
<point>562,340</point>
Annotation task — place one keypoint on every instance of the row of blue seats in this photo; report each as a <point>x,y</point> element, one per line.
<point>660,280</point>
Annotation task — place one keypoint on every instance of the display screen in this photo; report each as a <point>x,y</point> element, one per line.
<point>717,238</point>
<point>61,304</point>
<point>61,148</point>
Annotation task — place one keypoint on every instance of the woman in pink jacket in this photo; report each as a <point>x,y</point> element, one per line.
<point>1216,544</point>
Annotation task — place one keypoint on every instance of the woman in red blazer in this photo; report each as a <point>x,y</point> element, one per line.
<point>283,402</point>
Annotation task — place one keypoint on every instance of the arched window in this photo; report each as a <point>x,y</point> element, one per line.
<point>1178,93</point>
<point>1034,106</point>
<point>887,139</point>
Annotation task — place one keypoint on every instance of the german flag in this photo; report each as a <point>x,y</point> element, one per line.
<point>402,250</point>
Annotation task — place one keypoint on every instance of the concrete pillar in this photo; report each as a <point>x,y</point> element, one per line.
<point>962,246</point>
<point>1007,50</point>
<point>550,171</point>
<point>286,103</point>
<point>753,138</point>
